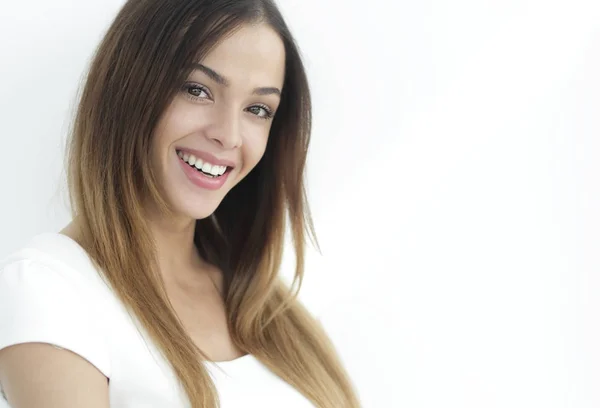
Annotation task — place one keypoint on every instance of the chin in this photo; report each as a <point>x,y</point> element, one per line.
<point>196,203</point>
<point>198,210</point>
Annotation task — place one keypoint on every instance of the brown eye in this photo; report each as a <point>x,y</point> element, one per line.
<point>195,91</point>
<point>261,111</point>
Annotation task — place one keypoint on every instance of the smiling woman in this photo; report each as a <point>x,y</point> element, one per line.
<point>186,157</point>
<point>217,127</point>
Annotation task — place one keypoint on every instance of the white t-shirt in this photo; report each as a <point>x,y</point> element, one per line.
<point>50,292</point>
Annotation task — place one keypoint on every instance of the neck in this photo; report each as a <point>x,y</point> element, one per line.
<point>179,262</point>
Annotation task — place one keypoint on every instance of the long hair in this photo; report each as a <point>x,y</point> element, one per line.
<point>145,56</point>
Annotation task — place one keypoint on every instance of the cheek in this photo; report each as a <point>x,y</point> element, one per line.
<point>255,149</point>
<point>175,122</point>
<point>157,151</point>
<point>171,128</point>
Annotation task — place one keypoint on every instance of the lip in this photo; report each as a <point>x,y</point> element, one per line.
<point>207,157</point>
<point>199,179</point>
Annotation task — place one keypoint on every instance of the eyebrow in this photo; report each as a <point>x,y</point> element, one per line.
<point>218,78</point>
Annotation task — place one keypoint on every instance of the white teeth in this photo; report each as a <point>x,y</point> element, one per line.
<point>200,164</point>
<point>207,167</point>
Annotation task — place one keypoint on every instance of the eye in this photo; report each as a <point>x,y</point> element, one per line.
<point>261,111</point>
<point>195,91</point>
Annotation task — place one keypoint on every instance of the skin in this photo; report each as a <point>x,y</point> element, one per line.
<point>225,121</point>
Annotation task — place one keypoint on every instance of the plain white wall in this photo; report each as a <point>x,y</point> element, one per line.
<point>453,175</point>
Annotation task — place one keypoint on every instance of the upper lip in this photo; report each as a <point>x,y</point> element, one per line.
<point>205,156</point>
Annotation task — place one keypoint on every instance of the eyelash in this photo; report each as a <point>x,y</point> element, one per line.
<point>187,86</point>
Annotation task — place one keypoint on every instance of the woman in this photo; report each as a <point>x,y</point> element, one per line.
<point>186,157</point>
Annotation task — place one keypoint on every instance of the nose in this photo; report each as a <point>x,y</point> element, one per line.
<point>226,128</point>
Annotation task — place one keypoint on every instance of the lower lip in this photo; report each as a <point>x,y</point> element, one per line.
<point>201,180</point>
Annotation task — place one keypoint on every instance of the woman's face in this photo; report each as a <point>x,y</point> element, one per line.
<point>216,128</point>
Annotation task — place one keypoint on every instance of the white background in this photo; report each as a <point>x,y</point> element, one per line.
<point>453,175</point>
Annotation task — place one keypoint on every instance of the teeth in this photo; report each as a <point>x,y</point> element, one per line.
<point>215,171</point>
<point>199,164</point>
<point>207,167</point>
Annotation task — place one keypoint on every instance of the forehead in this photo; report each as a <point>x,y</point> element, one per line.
<point>254,55</point>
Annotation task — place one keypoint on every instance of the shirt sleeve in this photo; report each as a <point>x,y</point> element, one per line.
<point>41,304</point>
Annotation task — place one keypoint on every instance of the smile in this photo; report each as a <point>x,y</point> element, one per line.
<point>208,169</point>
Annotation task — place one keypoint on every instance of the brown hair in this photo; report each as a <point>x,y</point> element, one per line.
<point>138,67</point>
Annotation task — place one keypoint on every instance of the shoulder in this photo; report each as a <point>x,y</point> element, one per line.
<point>55,251</point>
<point>55,259</point>
<point>49,293</point>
